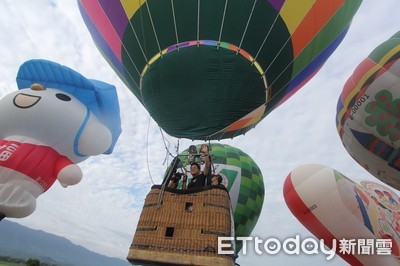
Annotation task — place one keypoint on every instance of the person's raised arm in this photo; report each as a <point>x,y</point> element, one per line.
<point>207,162</point>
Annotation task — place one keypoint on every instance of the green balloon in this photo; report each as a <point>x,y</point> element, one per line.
<point>228,64</point>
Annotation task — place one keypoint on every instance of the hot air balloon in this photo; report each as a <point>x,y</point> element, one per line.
<point>368,113</point>
<point>55,120</point>
<point>336,209</point>
<point>214,69</point>
<point>240,176</point>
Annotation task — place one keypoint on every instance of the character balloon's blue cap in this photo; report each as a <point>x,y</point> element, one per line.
<point>101,98</point>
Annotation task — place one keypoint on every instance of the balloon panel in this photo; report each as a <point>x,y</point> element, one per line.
<point>226,64</point>
<point>368,116</point>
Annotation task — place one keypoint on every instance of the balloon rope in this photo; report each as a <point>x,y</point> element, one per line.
<point>222,22</point>
<point>198,21</point>
<point>137,39</point>
<point>165,145</point>
<point>278,54</point>
<point>266,37</point>
<point>176,30</point>
<point>147,151</point>
<point>152,24</point>
<point>247,25</point>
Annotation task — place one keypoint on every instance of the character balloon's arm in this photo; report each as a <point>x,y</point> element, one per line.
<point>68,174</point>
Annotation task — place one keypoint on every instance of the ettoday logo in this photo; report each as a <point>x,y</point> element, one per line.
<point>296,245</point>
<point>291,246</point>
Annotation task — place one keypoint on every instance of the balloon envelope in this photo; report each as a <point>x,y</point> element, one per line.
<point>333,207</point>
<point>368,113</point>
<point>244,181</point>
<point>55,120</point>
<point>213,69</point>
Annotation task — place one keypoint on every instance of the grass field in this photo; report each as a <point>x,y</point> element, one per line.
<point>4,263</point>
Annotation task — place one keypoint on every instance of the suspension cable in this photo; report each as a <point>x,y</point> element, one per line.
<point>137,38</point>
<point>283,71</point>
<point>247,25</point>
<point>222,23</point>
<point>165,145</point>
<point>198,22</point>
<point>152,25</point>
<point>176,30</point>
<point>147,151</point>
<point>266,37</point>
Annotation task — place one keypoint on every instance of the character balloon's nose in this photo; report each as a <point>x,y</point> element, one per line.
<point>23,100</point>
<point>37,87</point>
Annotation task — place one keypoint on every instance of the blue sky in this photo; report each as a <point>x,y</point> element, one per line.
<point>101,212</point>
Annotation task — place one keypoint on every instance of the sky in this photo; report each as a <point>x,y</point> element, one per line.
<point>101,212</point>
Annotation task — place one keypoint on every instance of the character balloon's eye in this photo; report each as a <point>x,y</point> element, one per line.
<point>63,97</point>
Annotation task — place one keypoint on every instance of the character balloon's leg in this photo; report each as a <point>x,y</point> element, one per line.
<point>15,201</point>
<point>18,194</point>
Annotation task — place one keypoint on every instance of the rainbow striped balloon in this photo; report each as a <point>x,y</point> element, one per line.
<point>212,69</point>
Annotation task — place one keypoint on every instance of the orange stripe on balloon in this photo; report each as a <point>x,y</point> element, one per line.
<point>237,125</point>
<point>245,54</point>
<point>358,74</point>
<point>247,120</point>
<point>315,19</point>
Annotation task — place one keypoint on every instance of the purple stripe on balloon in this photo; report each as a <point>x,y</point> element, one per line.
<point>116,14</point>
<point>277,4</point>
<point>184,44</point>
<point>105,49</point>
<point>172,47</point>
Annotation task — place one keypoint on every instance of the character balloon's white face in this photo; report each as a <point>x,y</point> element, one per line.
<point>54,118</point>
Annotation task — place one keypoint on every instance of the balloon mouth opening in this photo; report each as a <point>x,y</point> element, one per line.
<point>212,43</point>
<point>161,78</point>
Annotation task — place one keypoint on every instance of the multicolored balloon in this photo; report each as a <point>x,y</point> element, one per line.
<point>214,69</point>
<point>368,113</point>
<point>243,179</point>
<point>336,209</point>
<point>55,120</point>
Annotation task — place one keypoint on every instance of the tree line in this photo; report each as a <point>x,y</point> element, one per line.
<point>27,262</point>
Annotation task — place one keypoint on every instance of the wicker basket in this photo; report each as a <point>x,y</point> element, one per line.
<point>181,227</point>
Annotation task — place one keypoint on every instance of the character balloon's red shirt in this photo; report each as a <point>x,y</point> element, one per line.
<point>39,162</point>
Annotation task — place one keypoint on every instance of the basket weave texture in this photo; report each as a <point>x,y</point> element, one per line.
<point>183,223</point>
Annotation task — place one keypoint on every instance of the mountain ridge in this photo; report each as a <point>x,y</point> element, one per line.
<point>19,241</point>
